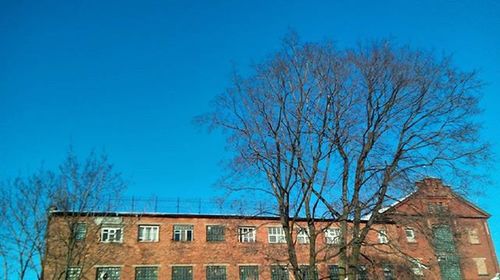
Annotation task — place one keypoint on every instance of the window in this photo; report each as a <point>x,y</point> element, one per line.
<point>276,235</point>
<point>308,273</point>
<point>216,273</point>
<point>279,272</point>
<point>410,235</point>
<point>437,208</point>
<point>111,234</point>
<point>417,270</point>
<point>246,234</point>
<point>388,272</point>
<point>473,236</point>
<point>73,273</point>
<point>333,236</point>
<point>382,237</point>
<point>303,236</point>
<point>183,233</point>
<point>146,273</point>
<point>448,258</point>
<point>481,266</point>
<point>418,267</point>
<point>108,273</point>
<point>249,272</point>
<point>334,272</point>
<point>182,273</point>
<point>215,233</point>
<point>148,233</point>
<point>362,272</point>
<point>79,231</point>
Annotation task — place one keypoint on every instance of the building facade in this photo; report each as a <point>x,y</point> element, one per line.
<point>431,234</point>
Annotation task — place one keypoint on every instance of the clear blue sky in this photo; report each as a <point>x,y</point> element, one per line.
<point>128,76</point>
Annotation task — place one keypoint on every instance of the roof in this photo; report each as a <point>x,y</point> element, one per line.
<point>171,215</point>
<point>407,197</point>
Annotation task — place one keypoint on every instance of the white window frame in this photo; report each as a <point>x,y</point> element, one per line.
<point>303,235</point>
<point>412,238</point>
<point>183,233</point>
<point>111,232</point>
<point>276,235</point>
<point>383,238</point>
<point>418,267</point>
<point>247,234</point>
<point>148,233</point>
<point>333,236</point>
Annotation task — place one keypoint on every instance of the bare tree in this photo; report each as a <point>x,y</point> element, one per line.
<point>26,205</point>
<point>339,133</point>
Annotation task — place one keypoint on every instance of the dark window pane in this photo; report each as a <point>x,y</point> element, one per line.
<point>249,272</point>
<point>182,273</point>
<point>146,273</point>
<point>108,273</point>
<point>79,231</point>
<point>215,233</point>
<point>279,272</point>
<point>216,273</point>
<point>308,273</point>
<point>334,272</point>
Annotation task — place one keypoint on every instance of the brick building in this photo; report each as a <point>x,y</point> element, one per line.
<point>431,234</point>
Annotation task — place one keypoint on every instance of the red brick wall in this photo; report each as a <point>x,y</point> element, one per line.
<point>199,253</point>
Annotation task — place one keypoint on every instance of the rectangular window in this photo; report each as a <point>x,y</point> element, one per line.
<point>148,233</point>
<point>382,237</point>
<point>481,266</point>
<point>182,273</point>
<point>279,272</point>
<point>362,272</point>
<point>79,231</point>
<point>303,236</point>
<point>146,273</point>
<point>334,272</point>
<point>216,272</point>
<point>437,208</point>
<point>410,235</point>
<point>108,273</point>
<point>73,273</point>
<point>249,272</point>
<point>388,272</point>
<point>246,234</point>
<point>308,273</point>
<point>417,271</point>
<point>333,236</point>
<point>183,232</point>
<point>276,235</point>
<point>215,233</point>
<point>473,236</point>
<point>111,234</point>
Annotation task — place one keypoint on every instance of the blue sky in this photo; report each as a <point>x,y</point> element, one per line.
<point>129,76</point>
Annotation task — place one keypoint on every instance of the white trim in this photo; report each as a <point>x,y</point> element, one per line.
<point>333,235</point>
<point>250,236</point>
<point>152,233</point>
<point>114,228</point>
<point>279,235</point>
